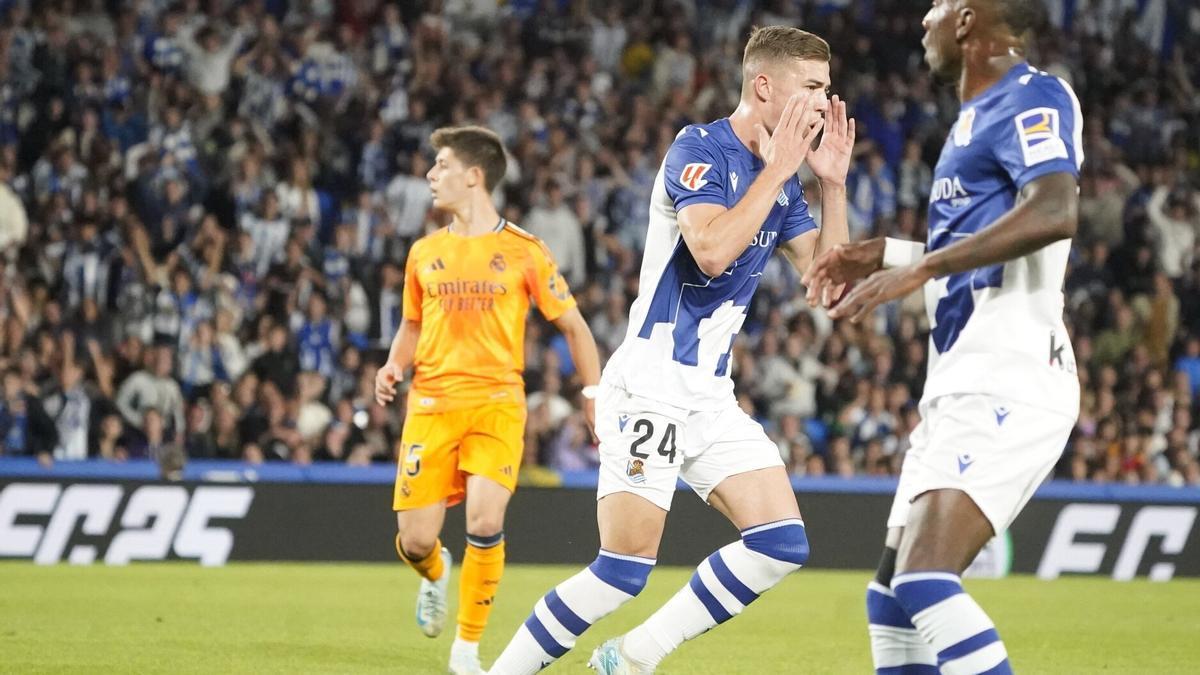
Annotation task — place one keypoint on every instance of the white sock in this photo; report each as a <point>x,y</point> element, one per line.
<point>461,645</point>
<point>956,627</point>
<point>722,586</point>
<point>571,608</point>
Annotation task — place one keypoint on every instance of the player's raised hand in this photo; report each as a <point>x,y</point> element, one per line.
<point>386,379</point>
<point>789,145</point>
<point>828,275</point>
<point>880,287</point>
<point>830,162</point>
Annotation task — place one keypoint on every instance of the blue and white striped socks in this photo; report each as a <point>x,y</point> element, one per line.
<point>722,586</point>
<point>571,608</point>
<point>896,646</point>
<point>962,635</point>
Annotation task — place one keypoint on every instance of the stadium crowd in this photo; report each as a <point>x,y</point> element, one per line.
<point>205,208</point>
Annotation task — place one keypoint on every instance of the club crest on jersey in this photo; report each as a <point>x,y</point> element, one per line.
<point>1037,130</point>
<point>964,128</point>
<point>692,176</point>
<point>636,471</point>
<point>498,264</point>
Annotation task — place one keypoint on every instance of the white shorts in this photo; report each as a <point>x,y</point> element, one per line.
<point>646,445</point>
<point>995,450</point>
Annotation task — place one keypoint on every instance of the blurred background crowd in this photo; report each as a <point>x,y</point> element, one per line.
<point>205,208</point>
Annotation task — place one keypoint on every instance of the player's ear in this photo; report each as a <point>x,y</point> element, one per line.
<point>474,176</point>
<point>762,87</point>
<point>964,24</point>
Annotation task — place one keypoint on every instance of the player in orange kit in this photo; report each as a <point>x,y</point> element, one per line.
<point>467,292</point>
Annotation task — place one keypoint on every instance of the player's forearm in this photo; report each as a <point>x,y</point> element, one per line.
<point>404,345</point>
<point>835,228</point>
<point>1048,215</point>
<point>716,245</point>
<point>581,344</point>
<point>584,353</point>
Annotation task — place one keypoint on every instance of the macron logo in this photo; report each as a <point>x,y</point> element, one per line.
<point>692,176</point>
<point>1002,414</point>
<point>733,180</point>
<point>622,421</point>
<point>965,462</point>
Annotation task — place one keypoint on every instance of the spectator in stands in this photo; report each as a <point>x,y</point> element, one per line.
<point>554,222</point>
<point>278,364</point>
<point>1175,216</point>
<point>268,229</point>
<point>1188,364</point>
<point>209,59</point>
<point>201,363</point>
<point>318,338</point>
<point>24,425</point>
<point>70,406</point>
<point>153,388</point>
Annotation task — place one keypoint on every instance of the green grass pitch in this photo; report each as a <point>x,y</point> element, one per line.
<point>310,618</point>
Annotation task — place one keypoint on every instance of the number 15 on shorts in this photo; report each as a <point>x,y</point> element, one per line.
<point>651,443</point>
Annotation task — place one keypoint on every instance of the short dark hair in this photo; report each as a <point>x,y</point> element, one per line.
<point>1022,16</point>
<point>775,43</point>
<point>475,146</point>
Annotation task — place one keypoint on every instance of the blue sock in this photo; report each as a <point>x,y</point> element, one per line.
<point>896,646</point>
<point>963,636</point>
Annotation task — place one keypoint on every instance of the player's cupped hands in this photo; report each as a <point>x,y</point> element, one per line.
<point>786,148</point>
<point>386,379</point>
<point>882,286</point>
<point>827,276</point>
<point>830,162</point>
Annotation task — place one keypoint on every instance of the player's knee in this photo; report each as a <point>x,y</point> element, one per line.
<point>786,542</point>
<point>416,545</point>
<point>626,573</point>
<point>485,524</point>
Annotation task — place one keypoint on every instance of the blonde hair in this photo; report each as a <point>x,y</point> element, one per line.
<point>778,43</point>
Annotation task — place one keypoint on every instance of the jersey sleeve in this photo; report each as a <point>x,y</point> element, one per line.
<point>1044,134</point>
<point>412,286</point>
<point>799,220</point>
<point>694,171</point>
<point>547,286</point>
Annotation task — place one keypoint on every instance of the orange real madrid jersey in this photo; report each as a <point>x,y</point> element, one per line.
<point>471,296</point>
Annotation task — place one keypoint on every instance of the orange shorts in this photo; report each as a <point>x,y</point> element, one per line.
<point>439,450</point>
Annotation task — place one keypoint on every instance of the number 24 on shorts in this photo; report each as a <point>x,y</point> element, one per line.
<point>645,430</point>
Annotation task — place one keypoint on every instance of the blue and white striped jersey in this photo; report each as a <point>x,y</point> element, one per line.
<point>999,329</point>
<point>683,322</point>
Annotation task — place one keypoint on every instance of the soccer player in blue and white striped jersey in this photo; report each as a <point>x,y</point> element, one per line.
<point>1001,393</point>
<point>725,200</point>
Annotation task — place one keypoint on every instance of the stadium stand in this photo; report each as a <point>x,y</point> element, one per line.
<point>205,209</point>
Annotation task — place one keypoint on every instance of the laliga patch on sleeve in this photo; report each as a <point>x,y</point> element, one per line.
<point>692,176</point>
<point>1037,130</point>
